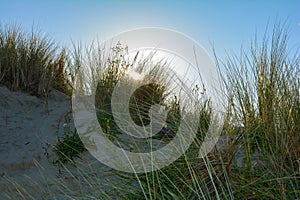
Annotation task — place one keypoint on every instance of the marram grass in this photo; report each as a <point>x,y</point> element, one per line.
<point>259,157</point>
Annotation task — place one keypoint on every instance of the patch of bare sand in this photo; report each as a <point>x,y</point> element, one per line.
<point>28,127</point>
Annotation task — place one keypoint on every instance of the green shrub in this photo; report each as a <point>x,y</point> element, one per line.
<point>68,147</point>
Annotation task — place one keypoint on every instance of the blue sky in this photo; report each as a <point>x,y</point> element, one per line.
<point>225,24</point>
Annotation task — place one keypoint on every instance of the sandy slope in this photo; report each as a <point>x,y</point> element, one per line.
<point>27,125</point>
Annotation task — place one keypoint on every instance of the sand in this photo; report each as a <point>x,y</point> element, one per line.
<point>29,127</point>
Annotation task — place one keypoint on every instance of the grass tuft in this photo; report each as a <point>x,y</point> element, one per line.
<point>31,62</point>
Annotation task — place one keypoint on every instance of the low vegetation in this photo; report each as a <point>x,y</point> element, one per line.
<point>31,62</point>
<point>261,151</point>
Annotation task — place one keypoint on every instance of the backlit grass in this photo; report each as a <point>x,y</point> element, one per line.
<point>258,157</point>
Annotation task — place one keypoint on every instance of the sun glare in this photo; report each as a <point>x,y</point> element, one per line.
<point>135,75</point>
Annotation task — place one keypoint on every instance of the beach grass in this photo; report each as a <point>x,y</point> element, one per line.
<point>260,150</point>
<point>31,61</point>
<point>263,92</point>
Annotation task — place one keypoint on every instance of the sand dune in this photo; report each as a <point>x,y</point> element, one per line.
<point>28,128</point>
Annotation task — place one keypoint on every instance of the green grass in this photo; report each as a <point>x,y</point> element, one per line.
<point>261,87</point>
<point>263,90</point>
<point>31,61</point>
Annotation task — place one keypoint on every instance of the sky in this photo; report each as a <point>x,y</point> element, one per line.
<point>224,25</point>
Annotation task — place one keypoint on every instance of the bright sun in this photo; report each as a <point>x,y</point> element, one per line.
<point>136,76</point>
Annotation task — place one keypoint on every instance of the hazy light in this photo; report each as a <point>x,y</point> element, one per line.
<point>135,75</point>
